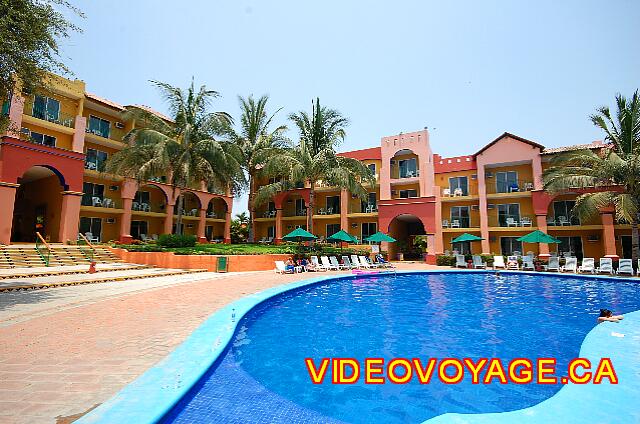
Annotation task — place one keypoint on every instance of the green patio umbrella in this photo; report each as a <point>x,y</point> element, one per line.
<point>299,235</point>
<point>379,237</point>
<point>342,236</point>
<point>466,237</point>
<point>538,236</point>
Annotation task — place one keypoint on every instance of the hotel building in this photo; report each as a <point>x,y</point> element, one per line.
<point>52,181</point>
<point>495,193</point>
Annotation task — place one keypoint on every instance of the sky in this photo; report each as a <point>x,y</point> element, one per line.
<point>466,70</point>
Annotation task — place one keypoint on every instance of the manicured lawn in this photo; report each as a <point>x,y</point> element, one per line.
<point>239,249</point>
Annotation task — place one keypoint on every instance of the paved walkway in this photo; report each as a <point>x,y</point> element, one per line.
<point>65,350</point>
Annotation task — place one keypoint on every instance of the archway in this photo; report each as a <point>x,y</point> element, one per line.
<point>404,228</point>
<point>38,205</point>
<point>190,213</point>
<point>404,164</point>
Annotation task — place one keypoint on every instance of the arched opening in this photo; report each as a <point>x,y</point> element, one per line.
<point>404,164</point>
<point>38,205</point>
<point>148,198</point>
<point>216,215</point>
<point>404,228</point>
<point>190,213</point>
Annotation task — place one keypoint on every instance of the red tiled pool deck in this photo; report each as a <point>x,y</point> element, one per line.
<point>65,350</point>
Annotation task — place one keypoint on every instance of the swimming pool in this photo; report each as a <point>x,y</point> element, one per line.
<point>261,376</point>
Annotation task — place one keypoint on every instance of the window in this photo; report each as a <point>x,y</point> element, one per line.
<point>408,168</point>
<point>271,232</point>
<point>45,140</point>
<point>570,246</point>
<point>301,209</point>
<point>46,108</point>
<point>369,229</point>
<point>461,214</point>
<point>271,206</point>
<point>563,208</point>
<point>140,227</point>
<point>332,229</point>
<point>95,160</point>
<point>208,232</point>
<point>99,126</point>
<point>370,205</point>
<point>506,181</point>
<point>626,246</point>
<point>333,203</point>
<point>506,211</point>
<point>93,194</point>
<point>459,183</point>
<point>463,247</point>
<point>91,225</point>
<point>372,168</point>
<point>509,245</point>
<point>405,194</point>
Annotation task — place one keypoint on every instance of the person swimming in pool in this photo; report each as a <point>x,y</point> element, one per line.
<point>607,315</point>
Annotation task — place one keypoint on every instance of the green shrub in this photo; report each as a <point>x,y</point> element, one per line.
<point>177,240</point>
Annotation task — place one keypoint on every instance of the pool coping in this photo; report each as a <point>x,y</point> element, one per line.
<point>153,394</point>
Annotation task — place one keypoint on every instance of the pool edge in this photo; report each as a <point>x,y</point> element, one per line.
<point>142,402</point>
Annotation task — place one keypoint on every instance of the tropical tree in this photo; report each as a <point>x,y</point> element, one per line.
<point>30,31</point>
<point>611,176</point>
<point>314,159</point>
<point>256,142</point>
<point>184,149</point>
<point>240,228</point>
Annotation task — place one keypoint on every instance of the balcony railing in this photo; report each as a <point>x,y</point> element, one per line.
<point>518,186</point>
<point>41,113</point>
<point>513,221</point>
<point>460,222</point>
<point>101,202</point>
<point>113,133</point>
<point>561,221</point>
<point>95,166</point>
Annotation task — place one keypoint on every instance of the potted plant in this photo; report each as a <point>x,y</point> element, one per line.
<point>420,243</point>
<point>402,248</point>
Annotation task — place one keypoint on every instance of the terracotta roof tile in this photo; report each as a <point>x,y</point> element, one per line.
<point>104,101</point>
<point>594,145</point>
<point>364,154</point>
<point>155,112</point>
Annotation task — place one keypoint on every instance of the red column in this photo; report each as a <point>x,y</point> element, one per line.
<point>608,233</point>
<point>201,226</point>
<point>69,216</point>
<point>278,239</point>
<point>227,228</point>
<point>7,200</point>
<point>125,221</point>
<point>541,222</point>
<point>344,210</point>
<point>168,220</point>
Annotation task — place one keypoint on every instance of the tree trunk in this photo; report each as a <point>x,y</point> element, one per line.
<point>179,220</point>
<point>635,253</point>
<point>310,206</point>
<point>251,236</point>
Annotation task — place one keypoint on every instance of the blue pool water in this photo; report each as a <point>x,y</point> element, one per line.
<point>262,376</point>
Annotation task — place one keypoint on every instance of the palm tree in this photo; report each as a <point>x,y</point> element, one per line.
<point>184,149</point>
<point>614,172</point>
<point>256,142</point>
<point>314,159</point>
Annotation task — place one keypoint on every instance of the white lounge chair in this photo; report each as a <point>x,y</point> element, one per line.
<point>527,263</point>
<point>347,262</point>
<point>327,264</point>
<point>356,262</point>
<point>477,262</point>
<point>512,263</point>
<point>455,223</point>
<point>498,262</point>
<point>334,262</point>
<point>460,261</point>
<point>281,268</point>
<point>526,221</point>
<point>570,265</point>
<point>319,267</point>
<point>511,222</point>
<point>605,266</point>
<point>445,223</point>
<point>91,237</point>
<point>554,264</point>
<point>361,263</point>
<point>588,265</point>
<point>625,266</point>
<point>368,261</point>
<point>263,240</point>
<point>382,263</point>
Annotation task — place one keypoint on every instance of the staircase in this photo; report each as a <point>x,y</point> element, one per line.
<point>27,256</point>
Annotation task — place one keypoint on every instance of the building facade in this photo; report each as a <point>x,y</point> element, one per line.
<point>51,175</point>
<point>495,193</point>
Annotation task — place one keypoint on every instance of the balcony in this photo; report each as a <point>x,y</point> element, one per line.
<point>562,221</point>
<point>459,224</point>
<point>516,187</point>
<point>511,221</point>
<point>98,166</point>
<point>54,117</point>
<point>111,134</point>
<point>101,202</point>
<point>148,207</point>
